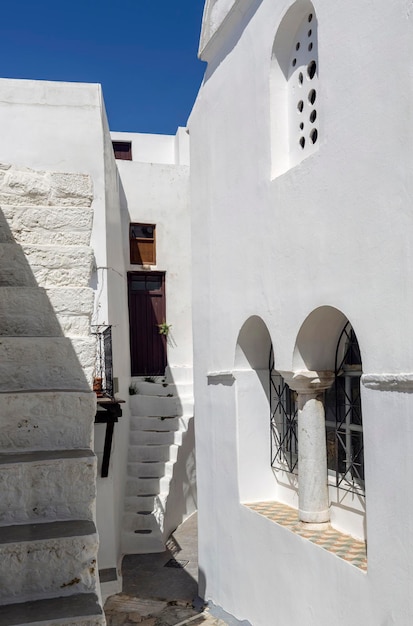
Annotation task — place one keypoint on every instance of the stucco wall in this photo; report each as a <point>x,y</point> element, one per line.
<point>334,230</point>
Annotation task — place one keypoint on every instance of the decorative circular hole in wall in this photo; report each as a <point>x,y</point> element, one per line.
<point>310,17</point>
<point>312,96</point>
<point>314,135</point>
<point>300,78</point>
<point>297,46</point>
<point>313,116</point>
<point>300,106</point>
<point>311,69</point>
<point>301,125</point>
<point>310,46</point>
<point>302,142</point>
<point>294,63</point>
<point>310,32</point>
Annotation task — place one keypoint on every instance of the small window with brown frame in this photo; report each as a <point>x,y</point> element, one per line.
<point>142,242</point>
<point>122,150</point>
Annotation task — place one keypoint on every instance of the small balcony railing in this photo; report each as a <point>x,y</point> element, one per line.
<point>103,376</point>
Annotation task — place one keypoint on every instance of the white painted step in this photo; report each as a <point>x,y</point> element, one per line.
<point>33,363</point>
<point>144,437</point>
<point>45,266</point>
<point>158,469</point>
<point>47,485</point>
<point>138,521</point>
<point>82,609</point>
<point>158,423</point>
<point>133,543</point>
<point>147,486</point>
<point>147,406</point>
<point>153,453</point>
<point>39,420</point>
<point>40,561</point>
<point>136,504</point>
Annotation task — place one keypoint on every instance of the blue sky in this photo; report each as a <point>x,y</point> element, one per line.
<point>143,52</point>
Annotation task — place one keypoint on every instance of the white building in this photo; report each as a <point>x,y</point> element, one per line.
<point>301,202</point>
<point>288,244</point>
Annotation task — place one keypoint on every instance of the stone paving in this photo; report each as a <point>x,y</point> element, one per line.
<point>343,546</point>
<point>155,595</point>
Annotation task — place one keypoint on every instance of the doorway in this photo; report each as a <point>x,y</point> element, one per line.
<point>147,309</point>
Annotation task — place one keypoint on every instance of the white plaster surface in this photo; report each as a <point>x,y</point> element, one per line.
<point>334,231</point>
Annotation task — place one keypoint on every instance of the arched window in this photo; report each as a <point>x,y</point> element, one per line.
<point>344,421</point>
<point>284,444</point>
<point>294,88</point>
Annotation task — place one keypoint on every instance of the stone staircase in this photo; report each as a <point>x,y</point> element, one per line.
<point>160,417</point>
<point>48,539</point>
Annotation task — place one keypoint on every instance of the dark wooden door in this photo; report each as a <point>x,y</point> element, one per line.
<point>146,311</point>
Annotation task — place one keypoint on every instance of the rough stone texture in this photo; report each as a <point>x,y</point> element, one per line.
<point>40,421</point>
<point>46,363</point>
<point>41,490</point>
<point>45,266</point>
<point>51,225</point>
<point>71,300</point>
<point>47,568</point>
<point>23,186</point>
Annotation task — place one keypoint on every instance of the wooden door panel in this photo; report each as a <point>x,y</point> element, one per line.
<point>147,310</point>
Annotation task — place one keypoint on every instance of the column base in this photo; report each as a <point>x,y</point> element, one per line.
<point>314,517</point>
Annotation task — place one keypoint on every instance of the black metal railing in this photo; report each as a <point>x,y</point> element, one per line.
<point>103,377</point>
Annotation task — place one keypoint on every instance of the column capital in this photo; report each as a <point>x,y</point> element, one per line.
<point>307,382</point>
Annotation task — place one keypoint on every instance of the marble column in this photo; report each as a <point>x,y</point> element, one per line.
<point>311,433</point>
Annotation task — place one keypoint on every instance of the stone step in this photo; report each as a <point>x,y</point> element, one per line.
<point>157,423</point>
<point>139,521</point>
<point>148,406</point>
<point>82,609</point>
<point>163,437</point>
<point>46,419</point>
<point>150,503</point>
<point>39,561</point>
<point>44,266</point>
<point>153,453</point>
<point>45,225</point>
<point>163,468</point>
<point>46,485</point>
<point>46,363</point>
<point>144,486</point>
<point>135,543</point>
<point>162,389</point>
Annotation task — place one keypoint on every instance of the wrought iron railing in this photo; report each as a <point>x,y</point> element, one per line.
<point>103,376</point>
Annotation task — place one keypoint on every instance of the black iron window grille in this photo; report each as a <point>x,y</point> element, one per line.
<point>284,444</point>
<point>344,423</point>
<point>103,377</point>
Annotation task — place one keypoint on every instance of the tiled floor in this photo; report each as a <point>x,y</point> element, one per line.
<point>344,546</point>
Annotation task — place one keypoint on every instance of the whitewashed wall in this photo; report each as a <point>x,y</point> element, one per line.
<point>155,189</point>
<point>334,230</point>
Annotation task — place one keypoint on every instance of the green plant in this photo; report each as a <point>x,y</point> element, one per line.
<point>133,390</point>
<point>164,328</point>
<point>151,379</point>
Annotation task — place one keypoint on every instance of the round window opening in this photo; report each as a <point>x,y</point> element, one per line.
<point>312,96</point>
<point>300,78</point>
<point>313,116</point>
<point>310,17</point>
<point>297,47</point>
<point>302,142</point>
<point>300,106</point>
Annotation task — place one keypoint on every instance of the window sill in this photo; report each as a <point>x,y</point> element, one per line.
<point>344,546</point>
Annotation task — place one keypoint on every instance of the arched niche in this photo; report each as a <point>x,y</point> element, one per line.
<point>317,338</point>
<point>251,371</point>
<point>294,93</point>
